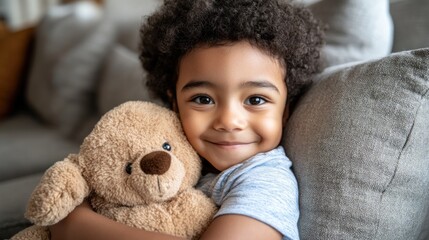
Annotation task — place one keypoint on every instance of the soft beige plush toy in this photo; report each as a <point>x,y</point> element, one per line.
<point>135,167</point>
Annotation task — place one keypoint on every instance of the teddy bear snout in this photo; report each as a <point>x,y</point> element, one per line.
<point>155,163</point>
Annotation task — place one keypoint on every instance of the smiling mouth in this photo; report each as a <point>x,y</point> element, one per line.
<point>228,144</point>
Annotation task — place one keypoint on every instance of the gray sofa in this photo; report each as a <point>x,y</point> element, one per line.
<point>85,62</point>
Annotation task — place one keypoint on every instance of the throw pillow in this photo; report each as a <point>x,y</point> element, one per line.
<point>359,142</point>
<point>74,79</point>
<point>71,43</point>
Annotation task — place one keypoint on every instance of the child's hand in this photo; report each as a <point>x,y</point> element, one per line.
<point>85,205</point>
<point>62,229</point>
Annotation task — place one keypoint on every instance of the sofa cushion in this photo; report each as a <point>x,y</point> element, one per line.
<point>122,79</point>
<point>27,146</point>
<point>127,16</point>
<point>411,24</point>
<point>424,234</point>
<point>356,30</point>
<point>15,194</point>
<point>359,142</point>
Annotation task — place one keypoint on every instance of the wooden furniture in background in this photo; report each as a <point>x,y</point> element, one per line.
<point>14,56</point>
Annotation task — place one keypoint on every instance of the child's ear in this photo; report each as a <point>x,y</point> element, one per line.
<point>286,114</point>
<point>174,106</point>
<point>173,101</point>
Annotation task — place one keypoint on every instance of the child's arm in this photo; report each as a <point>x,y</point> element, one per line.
<point>83,223</point>
<point>232,227</point>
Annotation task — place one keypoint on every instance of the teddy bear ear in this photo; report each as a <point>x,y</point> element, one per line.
<point>60,190</point>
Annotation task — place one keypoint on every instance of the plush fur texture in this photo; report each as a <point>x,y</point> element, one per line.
<point>136,167</point>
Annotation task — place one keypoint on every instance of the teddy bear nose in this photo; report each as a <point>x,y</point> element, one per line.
<point>155,163</point>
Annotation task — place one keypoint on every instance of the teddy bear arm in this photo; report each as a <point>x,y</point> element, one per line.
<point>152,217</point>
<point>187,215</point>
<point>60,190</point>
<point>192,212</point>
<point>33,233</point>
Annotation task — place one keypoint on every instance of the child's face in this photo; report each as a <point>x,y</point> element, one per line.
<point>231,100</point>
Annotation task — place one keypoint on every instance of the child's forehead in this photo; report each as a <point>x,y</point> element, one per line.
<point>238,51</point>
<point>234,66</point>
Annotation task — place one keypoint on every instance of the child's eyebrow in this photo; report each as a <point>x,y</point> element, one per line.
<point>259,84</point>
<point>247,84</point>
<point>197,83</point>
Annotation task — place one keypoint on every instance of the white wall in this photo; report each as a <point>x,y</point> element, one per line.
<point>23,13</point>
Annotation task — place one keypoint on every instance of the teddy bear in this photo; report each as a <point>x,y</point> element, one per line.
<point>136,167</point>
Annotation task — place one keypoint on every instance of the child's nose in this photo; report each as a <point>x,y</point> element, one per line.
<point>230,118</point>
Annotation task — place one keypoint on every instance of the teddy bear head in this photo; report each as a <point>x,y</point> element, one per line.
<point>137,154</point>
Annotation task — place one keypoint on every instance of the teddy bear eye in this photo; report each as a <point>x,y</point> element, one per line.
<point>129,168</point>
<point>166,146</point>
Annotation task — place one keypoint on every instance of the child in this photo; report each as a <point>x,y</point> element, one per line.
<point>230,69</point>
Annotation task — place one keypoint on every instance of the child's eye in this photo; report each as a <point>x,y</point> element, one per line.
<point>203,100</point>
<point>255,101</point>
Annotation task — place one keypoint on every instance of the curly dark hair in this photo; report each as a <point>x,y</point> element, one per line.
<point>285,31</point>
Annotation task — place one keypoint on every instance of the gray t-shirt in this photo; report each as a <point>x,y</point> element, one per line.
<point>262,187</point>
